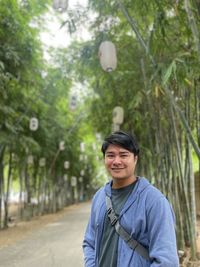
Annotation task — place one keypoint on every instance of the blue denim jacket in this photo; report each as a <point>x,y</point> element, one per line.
<point>148,216</point>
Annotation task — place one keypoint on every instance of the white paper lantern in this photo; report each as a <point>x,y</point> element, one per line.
<point>42,162</point>
<point>118,115</point>
<point>115,127</point>
<point>33,124</point>
<point>30,160</point>
<point>60,5</point>
<point>82,147</point>
<point>81,157</point>
<point>73,181</point>
<point>61,145</point>
<point>14,157</point>
<point>80,179</point>
<point>26,150</point>
<point>107,55</point>
<point>98,136</point>
<point>94,146</point>
<point>65,177</point>
<point>66,164</point>
<point>82,172</point>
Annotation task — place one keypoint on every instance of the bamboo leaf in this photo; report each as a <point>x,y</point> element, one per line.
<point>171,70</point>
<point>2,65</point>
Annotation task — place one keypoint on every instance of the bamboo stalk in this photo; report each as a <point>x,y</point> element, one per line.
<point>7,190</point>
<point>193,25</point>
<point>167,91</point>
<point>184,122</point>
<point>2,150</point>
<point>190,223</point>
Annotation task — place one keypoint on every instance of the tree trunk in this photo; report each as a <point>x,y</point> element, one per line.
<point>2,150</point>
<point>7,190</point>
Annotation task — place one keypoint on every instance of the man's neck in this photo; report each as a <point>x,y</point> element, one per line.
<point>119,183</point>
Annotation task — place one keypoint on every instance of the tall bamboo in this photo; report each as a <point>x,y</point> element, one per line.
<point>2,150</point>
<point>183,189</point>
<point>193,25</point>
<point>7,190</point>
<point>135,28</point>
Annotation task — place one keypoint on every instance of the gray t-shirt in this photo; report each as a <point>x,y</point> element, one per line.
<point>109,242</point>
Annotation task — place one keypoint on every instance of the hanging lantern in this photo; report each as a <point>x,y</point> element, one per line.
<point>26,150</point>
<point>82,147</point>
<point>14,157</point>
<point>107,55</point>
<point>60,5</point>
<point>65,177</point>
<point>33,124</point>
<point>30,160</point>
<point>42,162</point>
<point>98,136</point>
<point>62,146</point>
<point>80,179</point>
<point>66,165</point>
<point>94,146</point>
<point>81,157</point>
<point>118,115</point>
<point>115,127</point>
<point>82,172</point>
<point>73,181</point>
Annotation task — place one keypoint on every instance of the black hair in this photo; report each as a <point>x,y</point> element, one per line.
<point>123,139</point>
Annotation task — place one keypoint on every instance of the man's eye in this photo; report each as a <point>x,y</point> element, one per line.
<point>110,156</point>
<point>124,156</point>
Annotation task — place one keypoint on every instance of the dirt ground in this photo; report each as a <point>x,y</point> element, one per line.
<point>20,230</point>
<point>186,261</point>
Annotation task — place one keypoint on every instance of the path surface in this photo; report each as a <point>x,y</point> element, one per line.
<point>57,244</point>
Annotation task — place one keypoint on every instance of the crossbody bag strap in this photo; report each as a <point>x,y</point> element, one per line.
<point>134,244</point>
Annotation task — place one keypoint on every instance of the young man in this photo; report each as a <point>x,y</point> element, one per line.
<point>129,203</point>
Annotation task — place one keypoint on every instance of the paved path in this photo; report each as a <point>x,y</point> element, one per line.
<point>58,244</point>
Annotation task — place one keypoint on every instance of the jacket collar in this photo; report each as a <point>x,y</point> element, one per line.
<point>140,186</point>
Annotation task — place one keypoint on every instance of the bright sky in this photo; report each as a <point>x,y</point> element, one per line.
<point>56,37</point>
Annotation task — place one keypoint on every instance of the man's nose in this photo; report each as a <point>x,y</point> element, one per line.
<point>116,160</point>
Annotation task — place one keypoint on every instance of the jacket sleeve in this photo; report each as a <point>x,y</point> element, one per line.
<point>162,236</point>
<point>89,242</point>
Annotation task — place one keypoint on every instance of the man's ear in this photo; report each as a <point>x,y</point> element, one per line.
<point>135,159</point>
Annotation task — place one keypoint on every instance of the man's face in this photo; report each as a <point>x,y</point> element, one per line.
<point>120,162</point>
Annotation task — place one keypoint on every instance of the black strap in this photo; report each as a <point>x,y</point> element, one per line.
<point>135,245</point>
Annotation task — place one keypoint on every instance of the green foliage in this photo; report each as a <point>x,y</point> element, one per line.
<point>156,82</point>
<point>156,49</point>
<point>25,94</point>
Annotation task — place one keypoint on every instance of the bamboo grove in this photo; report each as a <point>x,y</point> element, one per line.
<point>156,82</point>
<point>30,87</point>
